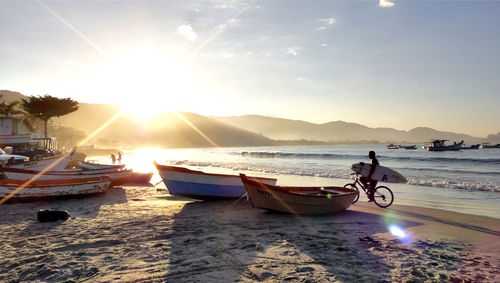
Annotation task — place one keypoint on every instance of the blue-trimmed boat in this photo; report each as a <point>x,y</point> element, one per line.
<point>185,182</point>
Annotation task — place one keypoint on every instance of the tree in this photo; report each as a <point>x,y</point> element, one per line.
<point>9,109</point>
<point>46,107</point>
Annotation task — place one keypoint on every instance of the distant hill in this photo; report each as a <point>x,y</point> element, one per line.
<point>169,130</point>
<point>10,96</point>
<point>493,138</point>
<point>337,131</point>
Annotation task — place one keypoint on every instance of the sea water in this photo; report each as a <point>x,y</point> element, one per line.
<point>466,181</point>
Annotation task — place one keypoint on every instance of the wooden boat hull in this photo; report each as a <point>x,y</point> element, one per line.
<point>54,163</point>
<point>118,177</point>
<point>92,166</point>
<point>199,185</point>
<point>140,178</point>
<point>53,188</point>
<point>299,200</point>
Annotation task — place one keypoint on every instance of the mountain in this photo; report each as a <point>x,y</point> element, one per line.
<point>168,130</point>
<point>192,130</point>
<point>337,131</point>
<point>493,138</point>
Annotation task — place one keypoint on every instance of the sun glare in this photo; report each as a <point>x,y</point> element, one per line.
<point>148,82</point>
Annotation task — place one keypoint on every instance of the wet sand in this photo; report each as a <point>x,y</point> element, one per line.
<point>143,235</point>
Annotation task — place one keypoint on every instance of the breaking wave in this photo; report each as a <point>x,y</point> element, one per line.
<point>344,174</point>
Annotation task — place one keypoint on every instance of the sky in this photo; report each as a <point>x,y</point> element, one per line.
<point>396,64</point>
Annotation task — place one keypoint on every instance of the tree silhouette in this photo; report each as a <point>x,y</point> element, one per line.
<point>46,107</point>
<point>9,109</point>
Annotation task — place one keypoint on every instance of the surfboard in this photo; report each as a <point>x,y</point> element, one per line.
<point>382,174</point>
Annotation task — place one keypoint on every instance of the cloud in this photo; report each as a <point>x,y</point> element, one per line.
<point>329,21</point>
<point>385,3</point>
<point>293,51</point>
<point>187,32</point>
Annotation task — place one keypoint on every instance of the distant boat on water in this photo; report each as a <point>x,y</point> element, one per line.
<point>413,146</point>
<point>489,145</point>
<point>392,146</point>
<point>472,146</point>
<point>439,145</point>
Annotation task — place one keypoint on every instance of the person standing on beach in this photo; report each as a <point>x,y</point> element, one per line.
<point>367,181</point>
<point>113,158</point>
<point>119,157</point>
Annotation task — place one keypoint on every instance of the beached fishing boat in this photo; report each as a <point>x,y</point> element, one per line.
<point>16,189</point>
<point>53,163</point>
<point>439,145</point>
<point>118,177</point>
<point>200,185</point>
<point>140,178</point>
<point>91,166</point>
<point>298,200</point>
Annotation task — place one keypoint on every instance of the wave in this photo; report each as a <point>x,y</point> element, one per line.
<point>340,174</point>
<point>302,155</point>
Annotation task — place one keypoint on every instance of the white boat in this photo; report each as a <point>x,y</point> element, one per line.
<point>54,163</point>
<point>200,185</point>
<point>20,189</point>
<point>439,145</point>
<point>118,177</point>
<point>91,166</point>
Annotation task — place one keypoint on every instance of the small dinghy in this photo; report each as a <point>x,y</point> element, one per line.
<point>298,200</point>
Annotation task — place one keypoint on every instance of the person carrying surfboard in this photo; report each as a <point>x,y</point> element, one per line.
<point>368,182</point>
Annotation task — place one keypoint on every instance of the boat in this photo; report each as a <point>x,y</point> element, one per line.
<point>439,145</point>
<point>298,200</point>
<point>392,146</point>
<point>118,177</point>
<point>473,146</point>
<point>53,163</point>
<point>489,145</point>
<point>195,184</point>
<point>140,178</point>
<point>85,165</point>
<point>411,147</point>
<point>20,189</point>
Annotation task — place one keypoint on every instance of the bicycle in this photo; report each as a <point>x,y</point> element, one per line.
<point>382,195</point>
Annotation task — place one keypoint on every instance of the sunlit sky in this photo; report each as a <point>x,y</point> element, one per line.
<point>398,64</point>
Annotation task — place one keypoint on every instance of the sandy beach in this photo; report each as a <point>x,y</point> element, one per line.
<point>141,234</point>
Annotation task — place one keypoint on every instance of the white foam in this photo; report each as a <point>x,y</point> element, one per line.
<point>340,174</point>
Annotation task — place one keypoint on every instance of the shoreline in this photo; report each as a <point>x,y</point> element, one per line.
<point>146,235</point>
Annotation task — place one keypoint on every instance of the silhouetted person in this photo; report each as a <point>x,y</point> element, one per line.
<point>113,158</point>
<point>367,181</point>
<point>119,157</point>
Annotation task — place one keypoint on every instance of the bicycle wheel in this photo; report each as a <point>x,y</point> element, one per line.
<point>383,196</point>
<point>353,187</point>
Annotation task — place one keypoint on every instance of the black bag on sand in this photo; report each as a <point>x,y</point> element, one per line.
<point>49,215</point>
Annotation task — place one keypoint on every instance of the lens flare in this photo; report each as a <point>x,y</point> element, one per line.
<point>399,233</point>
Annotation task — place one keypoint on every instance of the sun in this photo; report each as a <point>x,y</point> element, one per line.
<point>148,82</point>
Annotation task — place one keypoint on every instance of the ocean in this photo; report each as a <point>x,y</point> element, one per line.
<point>466,181</point>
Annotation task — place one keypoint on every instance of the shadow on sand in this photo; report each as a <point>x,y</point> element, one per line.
<point>228,241</point>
